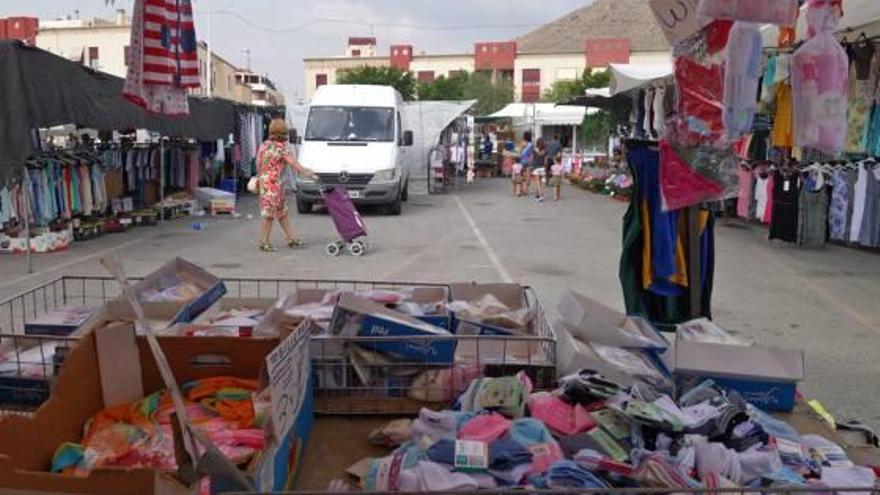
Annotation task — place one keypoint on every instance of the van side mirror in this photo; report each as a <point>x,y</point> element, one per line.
<point>407,138</point>
<point>294,137</point>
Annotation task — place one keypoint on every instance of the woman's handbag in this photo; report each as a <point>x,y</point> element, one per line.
<point>253,185</point>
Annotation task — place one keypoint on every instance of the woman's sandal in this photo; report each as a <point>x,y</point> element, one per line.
<point>267,248</point>
<point>295,243</point>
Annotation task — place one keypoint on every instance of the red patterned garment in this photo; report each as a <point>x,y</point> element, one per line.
<point>271,160</point>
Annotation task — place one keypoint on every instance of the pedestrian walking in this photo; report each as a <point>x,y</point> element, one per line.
<point>538,169</point>
<point>555,175</point>
<point>526,159</point>
<point>272,158</point>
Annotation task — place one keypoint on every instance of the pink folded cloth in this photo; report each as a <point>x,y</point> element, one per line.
<point>560,416</point>
<point>484,428</point>
<point>544,455</point>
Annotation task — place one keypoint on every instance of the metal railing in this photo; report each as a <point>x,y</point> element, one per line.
<point>342,384</point>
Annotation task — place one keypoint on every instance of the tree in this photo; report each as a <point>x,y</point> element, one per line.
<point>443,88</point>
<point>490,96</point>
<point>563,91</point>
<point>402,81</point>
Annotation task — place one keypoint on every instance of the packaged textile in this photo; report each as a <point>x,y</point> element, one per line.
<point>820,82</point>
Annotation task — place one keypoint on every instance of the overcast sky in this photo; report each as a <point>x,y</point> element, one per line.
<point>280,33</point>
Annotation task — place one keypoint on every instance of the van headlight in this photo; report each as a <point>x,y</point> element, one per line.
<point>385,175</point>
<point>302,179</point>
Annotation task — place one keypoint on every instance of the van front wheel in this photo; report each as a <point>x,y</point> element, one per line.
<point>396,207</point>
<point>404,196</point>
<point>303,207</point>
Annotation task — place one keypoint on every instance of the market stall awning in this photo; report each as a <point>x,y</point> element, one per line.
<point>626,77</point>
<point>428,119</point>
<point>39,89</point>
<point>544,113</point>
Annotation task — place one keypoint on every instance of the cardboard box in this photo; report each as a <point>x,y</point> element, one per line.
<point>27,444</point>
<point>764,376</point>
<point>432,295</point>
<point>211,288</point>
<point>426,343</point>
<point>677,19</point>
<point>511,295</point>
<point>59,322</point>
<point>251,313</point>
<point>161,316</point>
<point>591,321</point>
<point>623,366</point>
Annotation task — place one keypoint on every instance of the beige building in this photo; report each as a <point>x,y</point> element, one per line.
<point>103,44</point>
<point>260,90</point>
<point>607,31</point>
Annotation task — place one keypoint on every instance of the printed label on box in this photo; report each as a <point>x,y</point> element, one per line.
<point>471,456</point>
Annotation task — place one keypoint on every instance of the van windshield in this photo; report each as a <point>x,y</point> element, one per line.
<point>350,124</point>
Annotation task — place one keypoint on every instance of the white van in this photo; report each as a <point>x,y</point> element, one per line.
<point>354,138</point>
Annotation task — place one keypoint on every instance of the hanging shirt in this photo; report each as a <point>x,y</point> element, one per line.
<point>869,235</point>
<point>841,197</point>
<point>782,135</point>
<point>761,197</point>
<point>859,197</point>
<point>660,112</point>
<point>786,201</point>
<point>813,216</point>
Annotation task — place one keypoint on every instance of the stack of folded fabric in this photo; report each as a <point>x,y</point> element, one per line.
<point>592,433</point>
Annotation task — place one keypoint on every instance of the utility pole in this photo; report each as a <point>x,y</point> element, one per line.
<point>247,54</point>
<point>210,75</point>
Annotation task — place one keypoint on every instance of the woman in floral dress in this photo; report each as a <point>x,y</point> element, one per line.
<point>274,155</point>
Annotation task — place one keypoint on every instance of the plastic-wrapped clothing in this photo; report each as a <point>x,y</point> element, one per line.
<point>700,108</point>
<point>768,85</point>
<point>742,75</point>
<point>783,12</point>
<point>140,434</point>
<point>820,79</point>
<point>682,184</point>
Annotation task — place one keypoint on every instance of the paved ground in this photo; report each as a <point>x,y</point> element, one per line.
<point>825,301</point>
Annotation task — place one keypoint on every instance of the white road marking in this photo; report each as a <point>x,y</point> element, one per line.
<point>67,264</point>
<point>490,252</point>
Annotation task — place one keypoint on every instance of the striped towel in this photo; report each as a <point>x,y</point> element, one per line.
<point>164,56</point>
<point>170,52</point>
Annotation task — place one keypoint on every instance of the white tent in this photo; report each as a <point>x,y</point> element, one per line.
<point>626,77</point>
<point>542,114</point>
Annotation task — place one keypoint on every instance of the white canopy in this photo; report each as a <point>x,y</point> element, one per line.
<point>626,77</point>
<point>428,119</point>
<point>544,113</point>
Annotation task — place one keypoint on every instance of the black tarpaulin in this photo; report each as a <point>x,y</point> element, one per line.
<point>39,89</point>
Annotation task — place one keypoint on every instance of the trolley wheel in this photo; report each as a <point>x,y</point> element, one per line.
<point>357,248</point>
<point>333,249</point>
